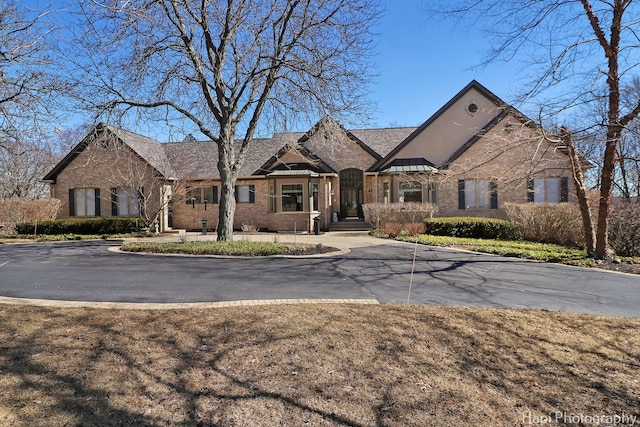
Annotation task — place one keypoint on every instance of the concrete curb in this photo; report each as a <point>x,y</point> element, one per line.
<point>116,249</point>
<point>176,306</point>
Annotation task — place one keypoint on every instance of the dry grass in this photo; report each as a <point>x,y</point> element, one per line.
<point>319,365</point>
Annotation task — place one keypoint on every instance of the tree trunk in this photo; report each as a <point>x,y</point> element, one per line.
<point>581,190</point>
<point>228,177</point>
<point>606,181</point>
<point>226,210</point>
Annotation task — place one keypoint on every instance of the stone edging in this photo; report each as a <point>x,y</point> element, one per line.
<point>176,306</point>
<point>343,251</point>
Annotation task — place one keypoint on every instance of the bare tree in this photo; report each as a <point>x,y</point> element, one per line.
<point>628,164</point>
<point>27,97</point>
<point>228,67</point>
<point>27,85</point>
<point>581,189</point>
<point>575,47</point>
<point>22,166</point>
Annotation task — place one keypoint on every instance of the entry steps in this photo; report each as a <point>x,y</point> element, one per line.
<point>350,225</point>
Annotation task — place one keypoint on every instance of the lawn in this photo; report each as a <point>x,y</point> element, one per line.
<point>317,365</point>
<point>528,250</point>
<point>232,248</point>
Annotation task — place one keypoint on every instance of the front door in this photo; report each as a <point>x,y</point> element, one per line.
<point>351,196</point>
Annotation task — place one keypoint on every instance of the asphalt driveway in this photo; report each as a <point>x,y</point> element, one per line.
<point>87,271</point>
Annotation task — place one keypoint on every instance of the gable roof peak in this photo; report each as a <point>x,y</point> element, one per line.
<point>148,149</point>
<point>472,85</point>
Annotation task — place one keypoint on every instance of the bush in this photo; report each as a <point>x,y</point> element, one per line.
<point>477,228</point>
<point>401,213</point>
<point>391,229</point>
<point>15,211</point>
<point>624,227</point>
<point>97,226</point>
<point>558,223</point>
<point>414,228</point>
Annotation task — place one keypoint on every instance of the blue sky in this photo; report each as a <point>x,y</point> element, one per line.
<point>424,61</point>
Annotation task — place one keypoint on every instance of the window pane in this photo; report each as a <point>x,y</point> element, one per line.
<point>433,194</point>
<point>207,194</point>
<point>123,202</point>
<point>127,202</point>
<point>243,194</point>
<point>470,194</point>
<point>410,191</point>
<point>386,194</point>
<point>315,197</point>
<point>553,190</point>
<point>80,202</point>
<point>538,190</point>
<point>134,203</point>
<point>272,198</point>
<point>482,193</point>
<point>85,202</point>
<point>91,202</point>
<point>292,198</point>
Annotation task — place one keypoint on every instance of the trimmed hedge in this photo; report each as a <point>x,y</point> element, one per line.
<point>81,226</point>
<point>475,228</point>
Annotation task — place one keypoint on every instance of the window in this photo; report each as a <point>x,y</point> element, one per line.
<point>410,191</point>
<point>198,195</point>
<point>477,194</point>
<point>292,197</point>
<point>386,192</point>
<point>548,190</point>
<point>272,197</point>
<point>125,202</point>
<point>432,194</point>
<point>84,202</point>
<point>315,199</point>
<point>246,193</point>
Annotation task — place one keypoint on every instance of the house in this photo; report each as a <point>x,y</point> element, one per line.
<point>475,154</point>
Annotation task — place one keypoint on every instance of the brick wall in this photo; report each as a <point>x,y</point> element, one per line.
<point>189,216</point>
<point>106,167</point>
<point>509,155</point>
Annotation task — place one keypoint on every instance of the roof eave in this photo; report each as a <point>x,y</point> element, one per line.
<point>75,151</point>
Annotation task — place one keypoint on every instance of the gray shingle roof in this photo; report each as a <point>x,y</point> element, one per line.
<point>382,141</point>
<point>199,160</point>
<point>147,148</point>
